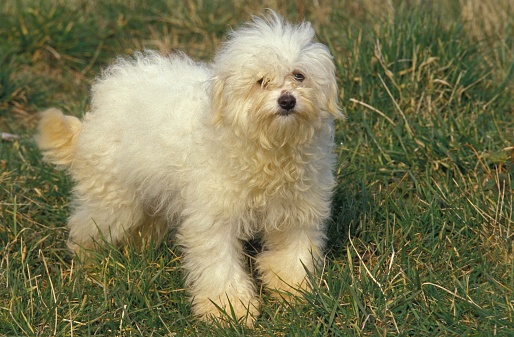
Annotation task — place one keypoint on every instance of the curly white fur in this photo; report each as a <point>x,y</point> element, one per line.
<point>221,152</point>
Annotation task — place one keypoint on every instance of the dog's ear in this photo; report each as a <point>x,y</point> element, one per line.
<point>217,100</point>
<point>333,99</point>
<point>318,57</point>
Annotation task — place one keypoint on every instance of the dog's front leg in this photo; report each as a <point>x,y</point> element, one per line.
<point>287,254</point>
<point>213,259</point>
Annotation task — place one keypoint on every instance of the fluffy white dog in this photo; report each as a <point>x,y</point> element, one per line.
<point>220,152</point>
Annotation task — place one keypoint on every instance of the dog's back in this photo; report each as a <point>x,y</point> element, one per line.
<point>152,97</point>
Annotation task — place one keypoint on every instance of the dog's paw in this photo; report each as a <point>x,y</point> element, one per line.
<point>227,309</point>
<point>285,288</point>
<point>284,277</point>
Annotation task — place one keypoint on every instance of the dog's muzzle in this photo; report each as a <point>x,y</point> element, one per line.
<point>287,102</point>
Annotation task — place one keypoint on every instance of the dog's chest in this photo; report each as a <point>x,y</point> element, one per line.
<point>276,180</point>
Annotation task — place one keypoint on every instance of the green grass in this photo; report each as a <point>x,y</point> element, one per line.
<point>421,236</point>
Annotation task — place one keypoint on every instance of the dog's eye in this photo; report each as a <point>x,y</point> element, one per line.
<point>263,82</point>
<point>298,77</point>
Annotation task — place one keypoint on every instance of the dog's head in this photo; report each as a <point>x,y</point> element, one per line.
<point>273,83</point>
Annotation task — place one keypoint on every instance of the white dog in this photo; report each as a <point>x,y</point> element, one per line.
<point>222,152</point>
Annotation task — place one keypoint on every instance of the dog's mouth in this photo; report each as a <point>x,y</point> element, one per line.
<point>284,112</point>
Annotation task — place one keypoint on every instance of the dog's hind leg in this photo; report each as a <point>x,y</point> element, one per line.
<point>92,224</point>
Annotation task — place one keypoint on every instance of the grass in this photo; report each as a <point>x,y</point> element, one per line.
<point>421,236</point>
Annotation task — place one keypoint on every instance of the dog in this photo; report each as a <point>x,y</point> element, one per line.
<point>220,153</point>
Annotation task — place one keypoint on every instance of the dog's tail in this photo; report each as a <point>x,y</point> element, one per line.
<point>56,136</point>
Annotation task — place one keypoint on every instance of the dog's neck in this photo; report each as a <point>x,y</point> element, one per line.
<point>269,170</point>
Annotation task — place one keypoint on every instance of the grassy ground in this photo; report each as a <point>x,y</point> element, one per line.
<point>421,237</point>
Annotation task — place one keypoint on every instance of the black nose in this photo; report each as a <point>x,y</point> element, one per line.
<point>287,101</point>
